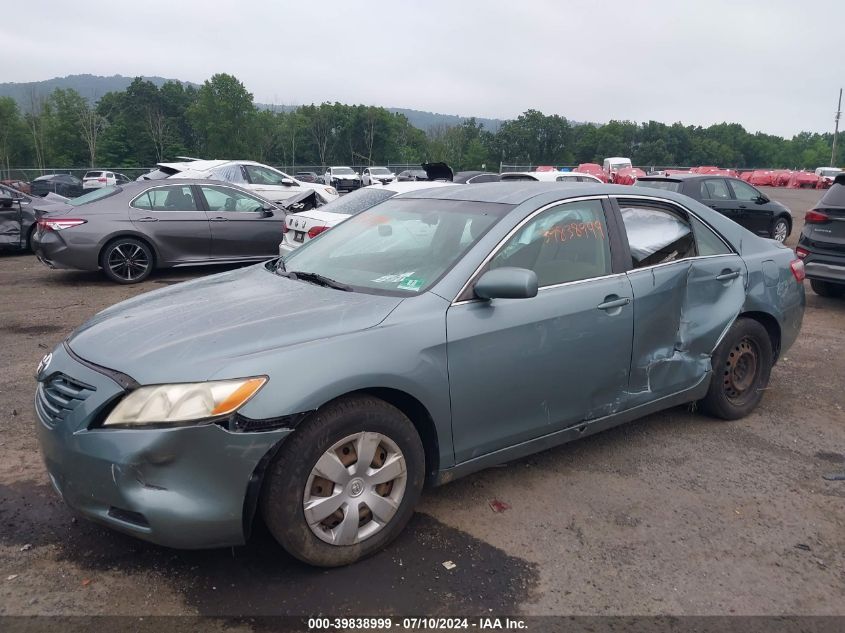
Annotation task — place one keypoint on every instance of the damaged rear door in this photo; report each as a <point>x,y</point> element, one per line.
<point>11,222</point>
<point>689,287</point>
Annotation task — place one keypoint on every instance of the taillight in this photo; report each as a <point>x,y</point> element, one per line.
<point>285,228</point>
<point>101,180</point>
<point>59,225</point>
<point>797,267</point>
<point>314,231</point>
<point>801,252</point>
<point>816,217</point>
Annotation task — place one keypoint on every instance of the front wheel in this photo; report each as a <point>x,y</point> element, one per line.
<point>345,484</point>
<point>780,230</point>
<point>741,367</point>
<point>127,260</point>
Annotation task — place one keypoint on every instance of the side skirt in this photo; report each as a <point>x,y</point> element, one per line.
<point>574,432</point>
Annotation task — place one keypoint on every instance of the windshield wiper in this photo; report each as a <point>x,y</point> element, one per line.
<point>315,278</point>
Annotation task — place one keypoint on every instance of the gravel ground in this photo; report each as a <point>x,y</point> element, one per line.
<point>673,514</point>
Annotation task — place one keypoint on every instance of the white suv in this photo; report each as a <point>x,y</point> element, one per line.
<point>98,179</point>
<point>342,178</point>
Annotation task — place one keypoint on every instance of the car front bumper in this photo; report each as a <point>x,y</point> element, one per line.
<point>186,487</point>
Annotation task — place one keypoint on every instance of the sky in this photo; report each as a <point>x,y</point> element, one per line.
<point>772,65</point>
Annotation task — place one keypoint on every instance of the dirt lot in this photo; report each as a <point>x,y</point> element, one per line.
<point>673,514</point>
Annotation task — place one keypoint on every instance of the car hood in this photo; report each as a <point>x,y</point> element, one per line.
<point>345,176</point>
<point>190,331</point>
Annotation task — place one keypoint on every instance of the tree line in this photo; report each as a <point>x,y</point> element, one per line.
<point>146,124</point>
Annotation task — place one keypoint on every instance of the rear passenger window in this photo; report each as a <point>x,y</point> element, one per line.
<point>166,199</point>
<point>565,243</point>
<point>715,189</point>
<point>708,242</point>
<point>656,235</point>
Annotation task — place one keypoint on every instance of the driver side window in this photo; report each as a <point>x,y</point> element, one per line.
<point>744,191</point>
<point>568,242</point>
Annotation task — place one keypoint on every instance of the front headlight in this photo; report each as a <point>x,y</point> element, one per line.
<point>184,402</point>
<point>331,191</point>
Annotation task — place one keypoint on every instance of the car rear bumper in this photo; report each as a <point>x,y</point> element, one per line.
<point>825,271</point>
<point>52,250</point>
<point>185,487</point>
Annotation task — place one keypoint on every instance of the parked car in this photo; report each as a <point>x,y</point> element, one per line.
<point>97,179</point>
<point>611,166</point>
<point>342,178</point>
<point>547,176</point>
<point>302,227</point>
<point>376,175</point>
<point>822,242</point>
<point>20,185</point>
<point>733,198</point>
<point>263,180</point>
<point>307,176</point>
<point>128,230</point>
<point>411,175</point>
<point>761,178</point>
<point>548,314</point>
<point>474,177</point>
<point>804,180</point>
<point>629,175</point>
<point>827,175</point>
<point>17,218</point>
<point>594,169</point>
<point>62,184</point>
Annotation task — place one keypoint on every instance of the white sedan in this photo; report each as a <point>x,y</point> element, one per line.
<point>377,175</point>
<point>548,176</point>
<point>268,182</point>
<point>304,226</point>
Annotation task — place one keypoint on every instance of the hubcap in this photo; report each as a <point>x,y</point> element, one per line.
<point>355,488</point>
<point>740,374</point>
<point>780,231</point>
<point>128,261</point>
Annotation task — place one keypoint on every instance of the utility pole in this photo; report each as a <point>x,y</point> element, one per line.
<point>836,130</point>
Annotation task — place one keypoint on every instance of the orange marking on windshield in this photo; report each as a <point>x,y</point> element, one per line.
<point>573,230</point>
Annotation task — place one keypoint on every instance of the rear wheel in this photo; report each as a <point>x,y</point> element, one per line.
<point>741,367</point>
<point>780,231</point>
<point>827,289</point>
<point>345,484</point>
<point>127,260</point>
<point>29,236</point>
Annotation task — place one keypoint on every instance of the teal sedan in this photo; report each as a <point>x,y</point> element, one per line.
<point>438,333</point>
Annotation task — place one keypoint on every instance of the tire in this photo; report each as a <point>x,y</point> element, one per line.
<point>827,288</point>
<point>292,482</point>
<point>780,230</point>
<point>742,365</point>
<point>127,260</point>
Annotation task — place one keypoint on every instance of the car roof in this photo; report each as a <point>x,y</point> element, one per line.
<point>413,185</point>
<point>517,192</point>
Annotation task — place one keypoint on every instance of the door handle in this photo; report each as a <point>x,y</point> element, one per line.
<point>147,219</point>
<point>727,275</point>
<point>614,303</point>
<point>219,219</point>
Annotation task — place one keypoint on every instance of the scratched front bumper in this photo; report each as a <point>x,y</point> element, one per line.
<point>179,487</point>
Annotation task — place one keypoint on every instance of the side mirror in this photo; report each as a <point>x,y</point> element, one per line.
<point>6,203</point>
<point>507,283</point>
<point>288,182</point>
<point>761,199</point>
<point>267,211</point>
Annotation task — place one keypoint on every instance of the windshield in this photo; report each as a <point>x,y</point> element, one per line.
<point>618,166</point>
<point>94,194</point>
<point>345,171</point>
<point>829,172</point>
<point>357,201</point>
<point>399,247</point>
<point>382,171</point>
<point>664,185</point>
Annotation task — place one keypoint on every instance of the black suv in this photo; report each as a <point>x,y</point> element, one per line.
<point>822,242</point>
<point>731,197</point>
